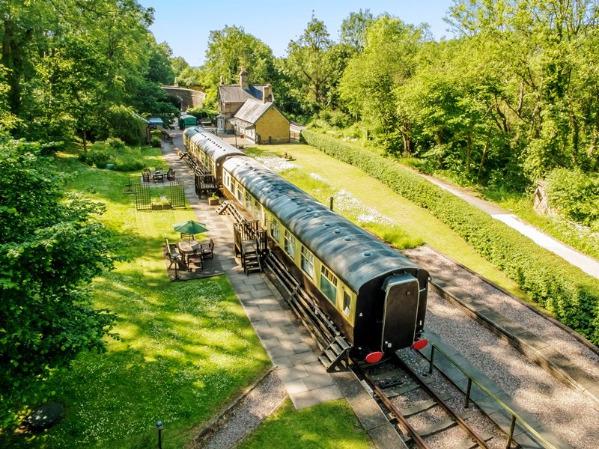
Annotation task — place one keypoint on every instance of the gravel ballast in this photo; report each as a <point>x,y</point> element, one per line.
<point>567,413</point>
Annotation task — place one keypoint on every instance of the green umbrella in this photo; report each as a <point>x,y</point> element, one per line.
<point>190,227</point>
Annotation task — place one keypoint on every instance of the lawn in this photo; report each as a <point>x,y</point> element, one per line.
<point>330,425</point>
<point>183,349</point>
<point>403,223</point>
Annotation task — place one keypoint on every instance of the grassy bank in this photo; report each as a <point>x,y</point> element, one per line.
<point>322,176</point>
<point>183,349</point>
<point>331,425</point>
<point>563,290</point>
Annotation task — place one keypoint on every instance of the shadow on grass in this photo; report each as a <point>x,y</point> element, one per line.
<point>184,350</point>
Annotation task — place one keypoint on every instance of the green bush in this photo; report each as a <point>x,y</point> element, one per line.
<point>575,195</point>
<point>571,295</point>
<point>110,152</point>
<point>125,124</point>
<point>156,142</point>
<point>115,143</point>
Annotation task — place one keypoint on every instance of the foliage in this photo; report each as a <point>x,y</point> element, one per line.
<point>314,65</point>
<point>115,152</point>
<point>203,112</point>
<point>124,123</point>
<point>184,348</point>
<point>156,142</point>
<point>330,425</point>
<point>572,296</point>
<point>230,50</point>
<point>51,248</point>
<point>575,195</point>
<point>353,28</point>
<point>65,64</point>
<point>368,84</point>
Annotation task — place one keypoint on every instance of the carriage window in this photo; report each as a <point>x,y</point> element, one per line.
<point>239,193</point>
<point>274,230</point>
<point>307,261</point>
<point>328,284</point>
<point>289,244</point>
<point>346,303</point>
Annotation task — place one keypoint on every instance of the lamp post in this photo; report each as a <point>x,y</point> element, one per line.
<point>159,426</point>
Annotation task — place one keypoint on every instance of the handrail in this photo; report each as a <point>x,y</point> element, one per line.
<point>516,418</point>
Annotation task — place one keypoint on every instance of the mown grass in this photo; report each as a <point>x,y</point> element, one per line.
<point>414,223</point>
<point>184,348</point>
<point>520,204</point>
<point>331,425</point>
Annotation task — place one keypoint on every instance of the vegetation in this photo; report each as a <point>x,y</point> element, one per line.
<point>113,153</point>
<point>71,69</point>
<point>575,196</point>
<point>288,428</point>
<point>51,247</point>
<point>183,348</point>
<point>565,291</point>
<point>376,207</point>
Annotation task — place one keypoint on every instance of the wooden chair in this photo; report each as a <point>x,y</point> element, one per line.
<point>174,256</point>
<point>158,176</point>
<point>196,260</point>
<point>208,250</point>
<point>170,174</point>
<point>145,175</point>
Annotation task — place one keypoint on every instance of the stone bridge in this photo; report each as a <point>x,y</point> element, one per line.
<point>189,98</point>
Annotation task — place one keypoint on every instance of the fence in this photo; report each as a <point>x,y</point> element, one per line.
<point>152,197</point>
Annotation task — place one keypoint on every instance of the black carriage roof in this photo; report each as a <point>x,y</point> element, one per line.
<point>215,147</point>
<point>350,252</point>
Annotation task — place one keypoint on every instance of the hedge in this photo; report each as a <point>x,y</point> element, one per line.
<point>567,292</point>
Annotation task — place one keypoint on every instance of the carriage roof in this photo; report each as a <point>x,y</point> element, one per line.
<point>351,253</point>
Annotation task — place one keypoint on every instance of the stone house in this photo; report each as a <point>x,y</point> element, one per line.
<point>249,110</point>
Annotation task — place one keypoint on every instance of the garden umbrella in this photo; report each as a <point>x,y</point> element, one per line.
<point>190,227</point>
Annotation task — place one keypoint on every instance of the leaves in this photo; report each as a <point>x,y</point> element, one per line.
<point>50,250</point>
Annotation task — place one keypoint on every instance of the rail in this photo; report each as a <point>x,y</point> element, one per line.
<point>516,419</point>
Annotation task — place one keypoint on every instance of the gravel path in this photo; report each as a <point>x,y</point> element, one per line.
<point>568,414</point>
<point>246,415</point>
<point>461,282</point>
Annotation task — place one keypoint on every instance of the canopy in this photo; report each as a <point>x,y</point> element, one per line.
<point>190,227</point>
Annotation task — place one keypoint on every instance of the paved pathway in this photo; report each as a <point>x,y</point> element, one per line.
<point>287,342</point>
<point>587,264</point>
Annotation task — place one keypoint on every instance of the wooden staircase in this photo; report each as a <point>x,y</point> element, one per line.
<point>250,258</point>
<point>336,354</point>
<point>223,207</point>
<point>335,348</point>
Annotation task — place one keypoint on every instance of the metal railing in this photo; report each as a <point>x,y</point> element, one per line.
<point>515,417</point>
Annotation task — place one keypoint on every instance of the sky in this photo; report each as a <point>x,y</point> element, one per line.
<point>185,24</point>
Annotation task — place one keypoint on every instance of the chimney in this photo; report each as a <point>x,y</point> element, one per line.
<point>243,78</point>
<point>267,93</point>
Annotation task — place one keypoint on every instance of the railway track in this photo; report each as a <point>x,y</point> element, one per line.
<point>422,416</point>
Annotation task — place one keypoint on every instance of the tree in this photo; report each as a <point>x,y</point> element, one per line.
<point>369,81</point>
<point>51,248</point>
<point>314,65</point>
<point>546,51</point>
<point>353,28</point>
<point>230,50</point>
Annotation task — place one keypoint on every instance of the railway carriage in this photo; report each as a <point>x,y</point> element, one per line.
<point>374,294</point>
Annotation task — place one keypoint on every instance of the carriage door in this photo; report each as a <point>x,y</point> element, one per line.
<point>400,312</point>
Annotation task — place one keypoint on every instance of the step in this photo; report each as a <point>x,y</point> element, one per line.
<point>342,342</point>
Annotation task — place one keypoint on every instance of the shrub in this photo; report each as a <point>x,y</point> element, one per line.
<point>575,195</point>
<point>115,143</point>
<point>156,142</point>
<point>571,295</point>
<point>97,155</point>
<point>124,123</point>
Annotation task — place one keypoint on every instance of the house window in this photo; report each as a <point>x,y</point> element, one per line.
<point>289,244</point>
<point>346,303</point>
<point>307,261</point>
<point>274,230</point>
<point>328,284</point>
